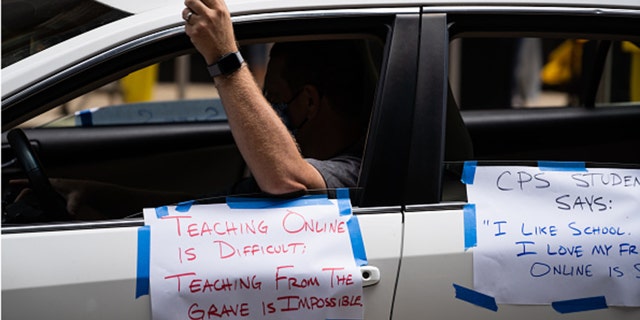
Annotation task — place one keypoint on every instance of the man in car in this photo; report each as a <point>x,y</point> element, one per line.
<point>325,118</point>
<point>305,130</point>
<point>322,89</point>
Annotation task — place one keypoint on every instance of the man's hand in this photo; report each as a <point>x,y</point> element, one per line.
<point>210,28</point>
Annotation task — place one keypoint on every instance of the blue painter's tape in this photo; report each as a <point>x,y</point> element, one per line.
<point>184,206</point>
<point>264,203</point>
<point>470,233</point>
<point>475,297</point>
<point>144,261</point>
<point>86,118</point>
<point>162,212</point>
<point>344,203</point>
<point>562,166</point>
<point>469,172</point>
<point>579,305</point>
<point>357,244</point>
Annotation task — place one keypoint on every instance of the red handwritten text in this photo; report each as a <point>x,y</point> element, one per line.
<point>338,279</point>
<point>198,285</point>
<point>227,250</point>
<point>295,303</point>
<point>220,228</point>
<point>293,282</point>
<point>218,311</point>
<point>294,222</point>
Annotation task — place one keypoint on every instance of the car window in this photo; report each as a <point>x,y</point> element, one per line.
<point>104,128</point>
<point>29,27</point>
<point>542,96</point>
<point>173,91</point>
<point>530,72</point>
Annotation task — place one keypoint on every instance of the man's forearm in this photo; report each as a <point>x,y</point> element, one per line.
<point>265,143</point>
<point>263,140</point>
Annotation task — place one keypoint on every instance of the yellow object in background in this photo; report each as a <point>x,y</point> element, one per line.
<point>634,80</point>
<point>564,64</point>
<point>138,86</point>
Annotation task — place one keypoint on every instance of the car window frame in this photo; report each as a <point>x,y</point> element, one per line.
<point>526,22</point>
<point>172,42</point>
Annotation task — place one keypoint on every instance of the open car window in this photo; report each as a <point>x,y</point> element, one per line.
<point>158,125</point>
<point>178,90</point>
<point>172,91</point>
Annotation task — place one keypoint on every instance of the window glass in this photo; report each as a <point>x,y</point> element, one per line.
<point>176,90</point>
<point>545,98</point>
<point>201,160</point>
<point>504,73</point>
<point>48,23</point>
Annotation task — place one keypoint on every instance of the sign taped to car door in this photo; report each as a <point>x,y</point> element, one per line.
<point>555,232</point>
<point>256,259</point>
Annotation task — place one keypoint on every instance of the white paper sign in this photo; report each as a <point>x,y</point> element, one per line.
<point>553,235</point>
<point>282,262</point>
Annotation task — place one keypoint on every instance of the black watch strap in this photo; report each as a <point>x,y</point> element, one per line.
<point>228,64</point>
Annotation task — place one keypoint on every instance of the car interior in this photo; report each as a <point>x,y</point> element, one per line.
<point>198,157</point>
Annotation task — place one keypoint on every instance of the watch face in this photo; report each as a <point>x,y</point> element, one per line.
<point>226,65</point>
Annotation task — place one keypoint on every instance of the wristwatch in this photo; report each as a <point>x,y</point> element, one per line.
<point>228,64</point>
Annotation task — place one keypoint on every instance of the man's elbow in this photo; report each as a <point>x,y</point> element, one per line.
<point>282,186</point>
<point>292,181</point>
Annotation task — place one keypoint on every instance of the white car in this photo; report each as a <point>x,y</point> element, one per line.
<point>461,83</point>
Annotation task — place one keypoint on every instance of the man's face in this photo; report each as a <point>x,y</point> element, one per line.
<point>281,96</point>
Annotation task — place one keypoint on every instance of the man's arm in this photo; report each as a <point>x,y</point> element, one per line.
<point>266,145</point>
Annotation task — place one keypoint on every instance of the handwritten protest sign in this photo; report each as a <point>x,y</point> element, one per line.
<point>286,260</point>
<point>552,234</point>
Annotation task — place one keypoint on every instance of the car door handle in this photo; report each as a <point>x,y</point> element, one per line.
<point>370,275</point>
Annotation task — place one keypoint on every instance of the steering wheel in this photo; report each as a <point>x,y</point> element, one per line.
<point>51,202</point>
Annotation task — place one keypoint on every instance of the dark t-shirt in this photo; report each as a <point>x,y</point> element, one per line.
<point>341,171</point>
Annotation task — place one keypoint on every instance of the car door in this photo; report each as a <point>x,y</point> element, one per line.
<point>437,262</point>
<point>88,269</point>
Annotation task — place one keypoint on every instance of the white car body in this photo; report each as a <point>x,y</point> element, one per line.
<point>150,16</point>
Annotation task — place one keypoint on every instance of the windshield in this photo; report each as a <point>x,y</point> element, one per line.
<point>30,26</point>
